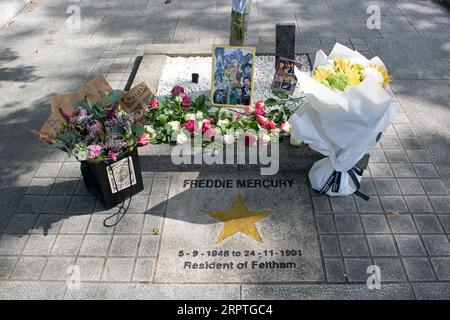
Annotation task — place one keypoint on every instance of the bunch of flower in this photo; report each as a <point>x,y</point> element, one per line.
<point>343,73</point>
<point>100,132</point>
<point>169,120</point>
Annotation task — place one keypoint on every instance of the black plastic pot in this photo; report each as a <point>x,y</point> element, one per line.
<point>110,180</point>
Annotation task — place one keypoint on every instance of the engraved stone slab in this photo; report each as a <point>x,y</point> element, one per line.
<point>239,227</point>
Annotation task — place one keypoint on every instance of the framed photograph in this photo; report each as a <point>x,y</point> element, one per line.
<point>232,77</point>
<point>285,79</point>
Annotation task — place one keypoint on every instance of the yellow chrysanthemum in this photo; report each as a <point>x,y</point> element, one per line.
<point>342,65</point>
<point>381,69</point>
<point>354,77</point>
<point>321,74</point>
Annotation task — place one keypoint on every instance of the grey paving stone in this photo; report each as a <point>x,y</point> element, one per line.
<point>418,156</point>
<point>81,188</point>
<point>157,203</point>
<point>396,155</point>
<point>411,145</point>
<point>28,268</point>
<point>436,245</point>
<point>442,267</point>
<point>381,170</point>
<point>56,268</point>
<point>82,204</point>
<point>390,142</point>
<point>67,245</point>
<point>64,186</point>
<point>335,270</point>
<point>118,269</point>
<point>353,246</point>
<point>375,223</point>
<point>387,186</point>
<point>21,223</point>
<point>48,223</point>
<point>403,170</point>
<point>367,186</point>
<point>343,204</point>
<point>428,223</point>
<point>95,245</point>
<point>432,290</point>
<point>31,290</point>
<point>56,204</point>
<point>160,185</point>
<point>418,204</point>
<point>149,245</point>
<point>96,225</point>
<point>434,186</point>
<point>31,204</point>
<point>321,204</point>
<point>124,245</point>
<point>411,186</point>
<point>330,246</point>
<point>70,170</point>
<point>357,269</point>
<point>144,270</point>
<point>325,224</point>
<point>425,170</point>
<point>370,206</point>
<point>151,222</point>
<point>410,245</point>
<point>393,204</point>
<point>382,245</point>
<point>348,223</point>
<point>402,224</point>
<point>40,186</point>
<point>48,170</point>
<point>55,155</point>
<point>90,268</point>
<point>130,224</point>
<point>445,220</point>
<point>6,266</point>
<point>391,270</point>
<point>418,269</point>
<point>75,224</point>
<point>377,155</point>
<point>441,203</point>
<point>333,292</point>
<point>148,182</point>
<point>404,129</point>
<point>138,204</point>
<point>39,245</point>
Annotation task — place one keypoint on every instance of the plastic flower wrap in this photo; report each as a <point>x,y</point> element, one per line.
<point>348,109</point>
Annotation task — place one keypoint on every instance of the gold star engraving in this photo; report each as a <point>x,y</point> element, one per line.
<point>239,219</point>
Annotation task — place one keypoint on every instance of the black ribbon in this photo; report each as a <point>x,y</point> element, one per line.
<point>334,182</point>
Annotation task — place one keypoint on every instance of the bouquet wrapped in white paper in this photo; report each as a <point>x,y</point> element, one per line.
<point>348,109</point>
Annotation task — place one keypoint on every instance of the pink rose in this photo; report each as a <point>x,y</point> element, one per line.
<point>190,125</point>
<point>270,125</point>
<point>94,151</point>
<point>249,110</point>
<point>264,138</point>
<point>261,120</point>
<point>144,139</point>
<point>285,127</point>
<point>211,133</point>
<point>207,124</point>
<point>113,155</point>
<point>259,105</point>
<point>177,90</point>
<point>186,101</point>
<point>236,116</point>
<point>154,104</point>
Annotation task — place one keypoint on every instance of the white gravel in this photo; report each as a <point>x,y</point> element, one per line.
<point>178,70</point>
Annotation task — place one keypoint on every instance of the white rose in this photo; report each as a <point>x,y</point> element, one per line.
<point>198,115</point>
<point>189,116</point>
<point>181,138</point>
<point>228,138</point>
<point>175,125</point>
<point>224,122</point>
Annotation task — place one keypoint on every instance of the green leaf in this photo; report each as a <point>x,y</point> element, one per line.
<point>270,102</point>
<point>162,118</point>
<point>114,96</point>
<point>138,130</point>
<point>280,94</point>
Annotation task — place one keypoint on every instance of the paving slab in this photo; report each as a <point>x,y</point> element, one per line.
<point>200,243</point>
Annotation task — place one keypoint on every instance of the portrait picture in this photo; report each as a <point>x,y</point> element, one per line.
<point>232,76</point>
<point>284,78</point>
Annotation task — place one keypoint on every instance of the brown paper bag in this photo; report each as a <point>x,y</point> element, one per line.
<point>135,100</point>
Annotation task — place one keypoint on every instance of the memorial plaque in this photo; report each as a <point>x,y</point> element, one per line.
<point>239,227</point>
<point>285,41</point>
